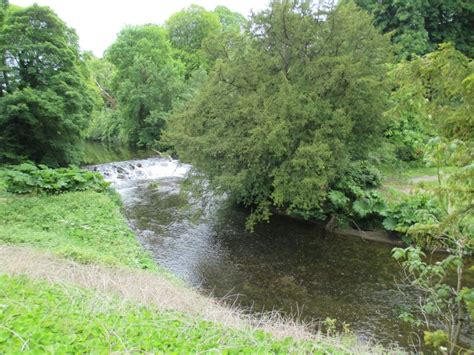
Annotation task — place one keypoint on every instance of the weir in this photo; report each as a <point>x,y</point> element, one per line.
<point>142,169</point>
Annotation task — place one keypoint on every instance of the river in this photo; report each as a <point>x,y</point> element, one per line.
<point>285,265</point>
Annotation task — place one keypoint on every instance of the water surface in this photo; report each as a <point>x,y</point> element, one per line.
<point>286,265</point>
<point>100,153</point>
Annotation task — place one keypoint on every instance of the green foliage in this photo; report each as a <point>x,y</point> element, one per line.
<point>353,198</point>
<point>439,89</point>
<point>406,133</point>
<point>102,73</point>
<point>418,209</point>
<point>418,26</point>
<point>467,295</point>
<point>105,121</point>
<point>28,178</point>
<point>230,21</point>
<point>105,125</point>
<point>146,84</point>
<point>187,29</point>
<point>436,339</point>
<point>85,226</point>
<point>39,317</point>
<point>442,298</point>
<point>45,97</point>
<point>360,175</point>
<point>441,85</point>
<point>288,105</point>
<point>432,93</point>
<point>371,203</point>
<point>142,77</point>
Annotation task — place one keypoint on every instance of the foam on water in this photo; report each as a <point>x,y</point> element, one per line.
<point>146,169</point>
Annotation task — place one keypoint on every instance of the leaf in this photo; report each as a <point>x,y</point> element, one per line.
<point>398,253</point>
<point>338,199</point>
<point>362,208</point>
<point>389,223</point>
<point>436,338</point>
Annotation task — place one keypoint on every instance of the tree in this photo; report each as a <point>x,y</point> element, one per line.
<point>44,96</point>
<point>441,85</point>
<point>230,21</point>
<point>102,73</point>
<point>147,82</point>
<point>287,107</point>
<point>104,124</point>
<point>217,43</point>
<point>186,31</point>
<point>418,26</point>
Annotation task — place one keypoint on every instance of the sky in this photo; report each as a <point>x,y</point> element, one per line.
<point>97,22</point>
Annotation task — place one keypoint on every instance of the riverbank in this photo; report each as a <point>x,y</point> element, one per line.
<point>75,259</point>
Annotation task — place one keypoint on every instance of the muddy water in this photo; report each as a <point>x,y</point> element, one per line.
<point>285,265</point>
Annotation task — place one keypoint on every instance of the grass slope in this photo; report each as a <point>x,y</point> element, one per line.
<point>39,317</point>
<point>85,226</point>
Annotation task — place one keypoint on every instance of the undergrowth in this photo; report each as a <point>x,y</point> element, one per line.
<point>28,178</point>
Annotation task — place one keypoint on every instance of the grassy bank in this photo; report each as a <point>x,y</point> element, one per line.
<point>101,292</point>
<point>36,316</point>
<point>85,226</point>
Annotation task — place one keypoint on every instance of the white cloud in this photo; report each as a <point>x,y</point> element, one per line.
<point>97,22</point>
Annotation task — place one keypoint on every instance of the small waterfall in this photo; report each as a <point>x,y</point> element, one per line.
<point>146,169</point>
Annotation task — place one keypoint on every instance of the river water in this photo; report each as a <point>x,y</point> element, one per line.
<point>284,265</point>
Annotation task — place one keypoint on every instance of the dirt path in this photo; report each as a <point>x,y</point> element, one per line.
<point>427,178</point>
<point>408,186</point>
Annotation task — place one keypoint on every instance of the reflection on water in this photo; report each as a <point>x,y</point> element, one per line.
<point>99,153</point>
<point>286,265</point>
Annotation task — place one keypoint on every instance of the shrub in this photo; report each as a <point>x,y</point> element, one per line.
<point>28,178</point>
<point>413,209</point>
<point>352,198</point>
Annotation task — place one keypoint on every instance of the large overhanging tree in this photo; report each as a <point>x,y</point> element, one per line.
<point>45,99</point>
<point>288,106</point>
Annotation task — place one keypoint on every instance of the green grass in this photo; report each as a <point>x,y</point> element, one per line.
<point>401,178</point>
<point>85,226</point>
<point>39,317</point>
<point>404,173</point>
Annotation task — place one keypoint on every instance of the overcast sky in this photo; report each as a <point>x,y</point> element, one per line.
<point>97,22</point>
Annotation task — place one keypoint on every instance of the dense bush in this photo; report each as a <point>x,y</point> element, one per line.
<point>28,178</point>
<point>406,135</point>
<point>352,198</point>
<point>412,210</point>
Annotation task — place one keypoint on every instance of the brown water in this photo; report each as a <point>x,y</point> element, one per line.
<point>285,265</point>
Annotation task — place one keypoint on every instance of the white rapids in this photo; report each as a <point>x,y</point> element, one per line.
<point>146,169</point>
